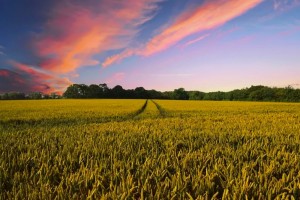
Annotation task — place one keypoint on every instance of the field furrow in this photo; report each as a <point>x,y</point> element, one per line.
<point>161,110</point>
<point>150,111</point>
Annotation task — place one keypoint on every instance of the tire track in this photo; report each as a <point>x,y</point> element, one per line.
<point>46,122</point>
<point>140,111</point>
<point>150,111</point>
<point>161,110</point>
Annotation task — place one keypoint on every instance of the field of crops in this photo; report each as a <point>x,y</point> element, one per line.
<point>138,149</point>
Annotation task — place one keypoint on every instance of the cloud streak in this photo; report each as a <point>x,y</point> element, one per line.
<point>11,81</point>
<point>29,79</point>
<point>207,16</point>
<point>118,57</point>
<point>74,33</point>
<point>195,40</point>
<point>283,5</point>
<point>77,32</point>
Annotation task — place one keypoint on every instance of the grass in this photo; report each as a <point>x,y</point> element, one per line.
<point>133,149</point>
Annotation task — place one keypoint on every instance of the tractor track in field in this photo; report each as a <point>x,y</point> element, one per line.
<point>126,117</point>
<point>141,110</point>
<point>161,110</point>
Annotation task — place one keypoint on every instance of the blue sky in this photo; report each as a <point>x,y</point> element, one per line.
<point>158,44</point>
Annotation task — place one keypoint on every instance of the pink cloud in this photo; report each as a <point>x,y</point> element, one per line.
<point>195,40</point>
<point>290,32</point>
<point>39,80</point>
<point>118,57</point>
<point>4,73</point>
<point>76,32</point>
<point>209,15</point>
<point>116,78</point>
<point>11,81</point>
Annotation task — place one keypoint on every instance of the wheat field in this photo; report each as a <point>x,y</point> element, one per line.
<point>144,149</point>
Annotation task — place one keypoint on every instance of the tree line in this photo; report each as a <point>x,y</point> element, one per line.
<point>31,95</point>
<point>254,93</point>
<point>82,91</point>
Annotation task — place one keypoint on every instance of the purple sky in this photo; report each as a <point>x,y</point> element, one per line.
<point>205,45</point>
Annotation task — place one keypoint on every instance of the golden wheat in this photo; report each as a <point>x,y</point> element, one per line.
<point>133,149</point>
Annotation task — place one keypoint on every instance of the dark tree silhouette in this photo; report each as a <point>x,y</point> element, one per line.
<point>254,93</point>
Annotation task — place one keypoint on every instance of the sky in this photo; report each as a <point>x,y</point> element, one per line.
<point>204,45</point>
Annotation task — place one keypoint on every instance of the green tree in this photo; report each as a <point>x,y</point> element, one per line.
<point>94,91</point>
<point>262,94</point>
<point>141,93</point>
<point>118,92</point>
<point>76,91</point>
<point>35,95</point>
<point>196,95</point>
<point>105,91</point>
<point>180,94</point>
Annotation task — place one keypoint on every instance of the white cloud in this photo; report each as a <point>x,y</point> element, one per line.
<point>283,5</point>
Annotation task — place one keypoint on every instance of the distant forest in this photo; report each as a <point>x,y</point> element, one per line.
<point>82,91</point>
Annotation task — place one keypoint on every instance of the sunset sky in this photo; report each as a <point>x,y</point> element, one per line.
<point>205,45</point>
